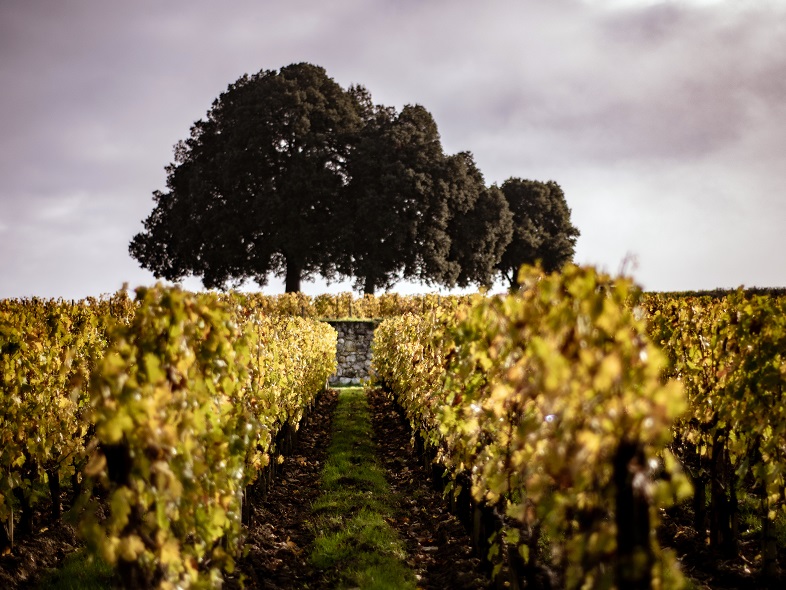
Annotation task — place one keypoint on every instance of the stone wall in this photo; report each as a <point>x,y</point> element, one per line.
<point>353,352</point>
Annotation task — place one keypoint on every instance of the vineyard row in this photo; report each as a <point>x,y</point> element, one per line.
<point>159,412</point>
<point>559,412</point>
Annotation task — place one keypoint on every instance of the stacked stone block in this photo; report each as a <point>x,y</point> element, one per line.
<point>353,352</point>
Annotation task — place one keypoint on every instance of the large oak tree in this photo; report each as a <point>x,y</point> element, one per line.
<point>388,210</point>
<point>253,191</point>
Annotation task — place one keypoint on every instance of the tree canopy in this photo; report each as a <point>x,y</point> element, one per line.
<point>253,190</point>
<point>542,229</point>
<point>390,217</point>
<point>291,175</point>
<point>414,212</point>
<point>481,226</point>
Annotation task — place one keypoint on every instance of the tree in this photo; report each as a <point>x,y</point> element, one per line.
<point>542,230</point>
<point>393,171</point>
<point>413,212</point>
<point>291,175</point>
<point>481,226</point>
<point>253,190</point>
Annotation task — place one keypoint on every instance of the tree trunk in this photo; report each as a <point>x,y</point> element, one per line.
<point>7,533</point>
<point>28,473</point>
<point>292,283</point>
<point>369,286</point>
<point>25,527</point>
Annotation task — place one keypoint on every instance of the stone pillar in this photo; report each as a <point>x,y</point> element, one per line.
<point>353,351</point>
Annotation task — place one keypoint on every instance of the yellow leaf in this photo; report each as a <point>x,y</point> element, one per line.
<point>610,371</point>
<point>130,548</point>
<point>112,430</point>
<point>170,552</point>
<point>120,505</point>
<point>524,552</point>
<point>153,369</point>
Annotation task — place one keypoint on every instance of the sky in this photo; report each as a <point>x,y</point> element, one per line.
<point>663,121</point>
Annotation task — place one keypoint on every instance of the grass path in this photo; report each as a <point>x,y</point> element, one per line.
<point>354,545</point>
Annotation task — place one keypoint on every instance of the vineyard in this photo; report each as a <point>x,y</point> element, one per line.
<point>165,410</point>
<point>567,425</point>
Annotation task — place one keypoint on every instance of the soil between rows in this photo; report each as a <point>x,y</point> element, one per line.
<point>280,536</point>
<point>439,547</point>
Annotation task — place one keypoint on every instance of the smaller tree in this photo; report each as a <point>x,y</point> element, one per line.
<point>392,171</point>
<point>413,212</point>
<point>542,230</point>
<point>481,226</point>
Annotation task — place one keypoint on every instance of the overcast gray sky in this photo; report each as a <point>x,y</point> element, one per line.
<point>663,121</point>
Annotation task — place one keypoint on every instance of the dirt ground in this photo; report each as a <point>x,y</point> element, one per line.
<point>33,556</point>
<point>279,540</point>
